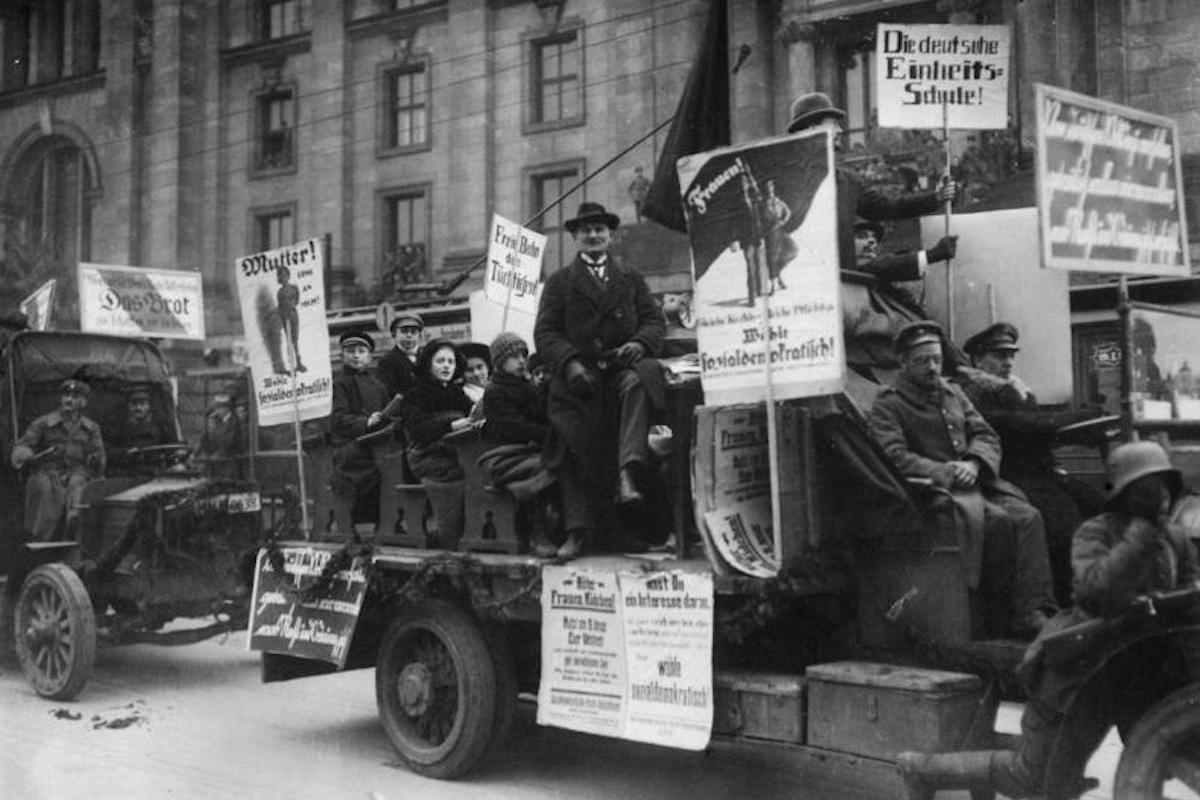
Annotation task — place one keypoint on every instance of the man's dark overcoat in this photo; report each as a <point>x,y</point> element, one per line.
<point>356,395</point>
<point>856,199</point>
<point>580,318</point>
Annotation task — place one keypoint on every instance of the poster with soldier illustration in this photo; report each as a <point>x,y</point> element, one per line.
<point>762,224</point>
<point>282,294</point>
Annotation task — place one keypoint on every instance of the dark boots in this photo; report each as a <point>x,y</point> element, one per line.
<point>924,774</point>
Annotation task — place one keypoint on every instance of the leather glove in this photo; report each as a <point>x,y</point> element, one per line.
<point>630,353</point>
<point>944,250</point>
<point>580,382</point>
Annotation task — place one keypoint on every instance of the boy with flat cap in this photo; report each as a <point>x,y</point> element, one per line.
<point>63,450</point>
<point>396,367</point>
<point>358,401</point>
<point>930,430</point>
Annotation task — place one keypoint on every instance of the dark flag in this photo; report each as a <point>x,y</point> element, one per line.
<point>701,121</point>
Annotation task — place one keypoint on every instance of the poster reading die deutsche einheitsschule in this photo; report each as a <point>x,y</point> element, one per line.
<point>762,224</point>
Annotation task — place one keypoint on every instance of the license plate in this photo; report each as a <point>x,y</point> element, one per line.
<point>233,503</point>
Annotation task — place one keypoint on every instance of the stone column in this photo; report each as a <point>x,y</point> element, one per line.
<point>799,58</point>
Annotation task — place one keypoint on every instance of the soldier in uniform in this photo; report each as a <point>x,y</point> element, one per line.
<point>931,430</point>
<point>140,429</point>
<point>63,450</point>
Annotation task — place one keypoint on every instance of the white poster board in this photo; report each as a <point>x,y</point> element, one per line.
<point>282,295</point>
<point>138,301</point>
<point>38,304</point>
<point>921,69</point>
<point>1109,187</point>
<point>514,265</point>
<point>489,319</point>
<point>762,225</point>
<point>628,653</point>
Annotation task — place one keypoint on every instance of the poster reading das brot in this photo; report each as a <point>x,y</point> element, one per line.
<point>282,294</point>
<point>762,224</point>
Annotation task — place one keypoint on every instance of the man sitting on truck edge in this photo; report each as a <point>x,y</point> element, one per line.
<point>358,401</point>
<point>1126,552</point>
<point>929,428</point>
<point>63,450</point>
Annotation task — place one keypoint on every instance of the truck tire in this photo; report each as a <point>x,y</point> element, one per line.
<point>55,631</point>
<point>435,684</point>
<point>1163,746</point>
<point>507,687</point>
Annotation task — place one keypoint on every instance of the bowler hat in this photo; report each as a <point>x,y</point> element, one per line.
<point>811,108</point>
<point>1134,460</point>
<point>1001,336</point>
<point>592,212</point>
<point>74,386</point>
<point>871,225</point>
<point>408,319</point>
<point>917,333</point>
<point>357,337</point>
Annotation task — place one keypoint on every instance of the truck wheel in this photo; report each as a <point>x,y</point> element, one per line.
<point>507,687</point>
<point>1164,746</point>
<point>55,631</point>
<point>435,683</point>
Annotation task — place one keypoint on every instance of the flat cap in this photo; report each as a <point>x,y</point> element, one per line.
<point>357,337</point>
<point>1001,336</point>
<point>408,319</point>
<point>917,333</point>
<point>74,386</point>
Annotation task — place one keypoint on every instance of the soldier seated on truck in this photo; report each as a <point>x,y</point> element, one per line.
<point>140,429</point>
<point>931,431</point>
<point>62,450</point>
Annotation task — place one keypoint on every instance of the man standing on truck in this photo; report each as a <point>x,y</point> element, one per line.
<point>1127,551</point>
<point>598,329</point>
<point>929,428</point>
<point>63,450</point>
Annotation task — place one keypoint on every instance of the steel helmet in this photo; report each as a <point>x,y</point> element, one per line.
<point>1134,460</point>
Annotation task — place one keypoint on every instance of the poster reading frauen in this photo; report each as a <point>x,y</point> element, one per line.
<point>282,295</point>
<point>762,224</point>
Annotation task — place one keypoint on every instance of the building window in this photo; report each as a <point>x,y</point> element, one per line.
<point>406,107</point>
<point>47,41</point>
<point>273,228</point>
<point>280,18</point>
<point>275,120</point>
<point>856,79</point>
<point>556,81</point>
<point>545,188</point>
<point>405,238</point>
<point>48,215</point>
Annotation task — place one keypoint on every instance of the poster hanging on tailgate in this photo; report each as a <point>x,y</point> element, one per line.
<point>136,301</point>
<point>1110,187</point>
<point>628,653</point>
<point>762,224</point>
<point>282,294</point>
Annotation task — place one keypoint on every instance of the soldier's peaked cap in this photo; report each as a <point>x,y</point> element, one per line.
<point>74,386</point>
<point>1001,336</point>
<point>917,333</point>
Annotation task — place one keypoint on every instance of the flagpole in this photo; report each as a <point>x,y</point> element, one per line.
<point>304,522</point>
<point>772,434</point>
<point>946,211</point>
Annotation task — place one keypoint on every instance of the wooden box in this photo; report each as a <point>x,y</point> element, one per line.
<point>759,705</point>
<point>879,710</point>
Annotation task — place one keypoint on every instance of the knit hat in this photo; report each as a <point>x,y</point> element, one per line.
<point>505,345</point>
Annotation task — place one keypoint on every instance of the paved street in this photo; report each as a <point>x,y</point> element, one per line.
<point>195,722</point>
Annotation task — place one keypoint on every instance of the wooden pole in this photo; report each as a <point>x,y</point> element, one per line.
<point>949,262</point>
<point>772,435</point>
<point>1125,315</point>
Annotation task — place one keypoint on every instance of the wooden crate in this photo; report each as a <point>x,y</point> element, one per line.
<point>759,705</point>
<point>879,710</point>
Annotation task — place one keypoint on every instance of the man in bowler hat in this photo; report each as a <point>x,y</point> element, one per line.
<point>930,430</point>
<point>598,328</point>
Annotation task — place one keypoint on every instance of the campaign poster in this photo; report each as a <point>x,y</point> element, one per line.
<point>141,302</point>
<point>762,225</point>
<point>930,76</point>
<point>282,295</point>
<point>38,305</point>
<point>583,685</point>
<point>514,265</point>
<point>1109,187</point>
<point>319,627</point>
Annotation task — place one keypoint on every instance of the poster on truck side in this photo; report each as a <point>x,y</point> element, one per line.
<point>289,617</point>
<point>762,226</point>
<point>282,295</point>
<point>1109,187</point>
<point>628,653</point>
<point>931,76</point>
<point>141,302</point>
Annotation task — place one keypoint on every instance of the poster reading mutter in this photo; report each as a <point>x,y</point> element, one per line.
<point>762,224</point>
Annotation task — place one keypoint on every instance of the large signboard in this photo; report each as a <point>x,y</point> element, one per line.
<point>136,301</point>
<point>282,621</point>
<point>282,294</point>
<point>38,304</point>
<point>933,75</point>
<point>514,267</point>
<point>762,224</point>
<point>1110,187</point>
<point>628,653</point>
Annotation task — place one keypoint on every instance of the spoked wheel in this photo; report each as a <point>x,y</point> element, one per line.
<point>55,631</point>
<point>1162,757</point>
<point>435,683</point>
